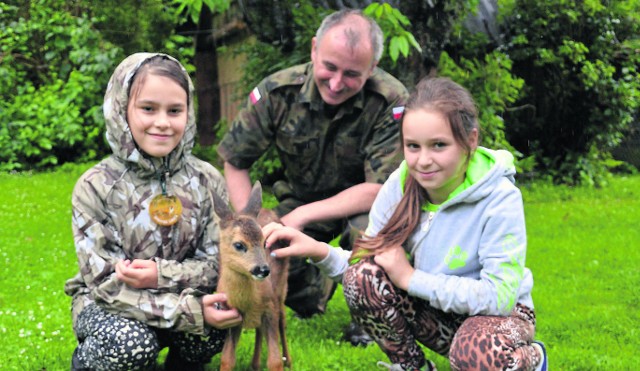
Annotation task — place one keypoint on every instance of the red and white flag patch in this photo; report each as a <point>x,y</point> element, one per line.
<point>255,95</point>
<point>397,112</point>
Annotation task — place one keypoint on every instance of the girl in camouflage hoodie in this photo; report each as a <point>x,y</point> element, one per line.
<point>145,233</point>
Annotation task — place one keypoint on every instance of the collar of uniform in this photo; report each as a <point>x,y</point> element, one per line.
<point>309,94</point>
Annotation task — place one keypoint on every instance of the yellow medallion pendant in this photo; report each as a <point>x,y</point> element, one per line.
<point>165,210</point>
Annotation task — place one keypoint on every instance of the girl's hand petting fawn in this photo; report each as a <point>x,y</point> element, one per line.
<point>217,313</point>
<point>299,243</point>
<point>394,261</point>
<point>139,274</point>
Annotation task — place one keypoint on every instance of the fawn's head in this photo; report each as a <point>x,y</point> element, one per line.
<point>241,240</point>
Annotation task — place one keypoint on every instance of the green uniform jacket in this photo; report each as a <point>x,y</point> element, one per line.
<point>322,153</point>
<point>111,222</point>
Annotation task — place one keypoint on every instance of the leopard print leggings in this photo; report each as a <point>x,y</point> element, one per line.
<point>398,322</point>
<point>110,342</point>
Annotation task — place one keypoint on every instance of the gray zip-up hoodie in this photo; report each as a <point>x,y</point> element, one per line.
<point>111,222</point>
<point>469,253</point>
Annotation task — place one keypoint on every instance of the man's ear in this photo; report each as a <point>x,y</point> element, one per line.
<point>313,50</point>
<point>373,67</point>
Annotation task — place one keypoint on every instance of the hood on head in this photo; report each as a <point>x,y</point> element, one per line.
<point>118,134</point>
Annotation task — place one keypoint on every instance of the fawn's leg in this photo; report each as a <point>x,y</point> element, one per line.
<point>257,350</point>
<point>270,329</point>
<point>282,326</point>
<point>228,357</point>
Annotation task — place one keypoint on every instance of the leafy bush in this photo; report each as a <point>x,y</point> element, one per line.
<point>61,66</point>
<point>494,89</point>
<point>61,55</point>
<point>579,60</point>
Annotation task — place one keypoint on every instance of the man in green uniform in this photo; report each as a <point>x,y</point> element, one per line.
<point>334,123</point>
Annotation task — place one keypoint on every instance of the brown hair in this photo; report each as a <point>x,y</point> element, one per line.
<point>458,107</point>
<point>159,65</point>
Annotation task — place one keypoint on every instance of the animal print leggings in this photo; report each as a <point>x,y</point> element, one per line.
<point>397,322</point>
<point>110,342</point>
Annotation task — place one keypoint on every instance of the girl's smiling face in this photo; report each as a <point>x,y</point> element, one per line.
<point>433,156</point>
<point>157,114</point>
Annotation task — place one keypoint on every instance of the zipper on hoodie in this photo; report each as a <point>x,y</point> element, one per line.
<point>425,226</point>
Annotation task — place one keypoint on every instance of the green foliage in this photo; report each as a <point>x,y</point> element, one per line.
<point>393,23</point>
<point>580,63</point>
<point>45,124</point>
<point>435,25</point>
<point>133,25</point>
<point>61,66</point>
<point>583,281</point>
<point>192,8</point>
<point>263,59</point>
<point>61,57</point>
<point>209,153</point>
<point>494,89</point>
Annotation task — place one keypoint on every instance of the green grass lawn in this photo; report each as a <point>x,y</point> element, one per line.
<point>584,251</point>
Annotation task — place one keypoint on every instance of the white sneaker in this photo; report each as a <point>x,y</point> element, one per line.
<point>544,359</point>
<point>430,366</point>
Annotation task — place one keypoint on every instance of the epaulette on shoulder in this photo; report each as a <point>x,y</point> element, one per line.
<point>295,75</point>
<point>386,85</point>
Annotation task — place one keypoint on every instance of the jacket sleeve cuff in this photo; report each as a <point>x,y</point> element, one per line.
<point>335,263</point>
<point>194,305</point>
<point>164,282</point>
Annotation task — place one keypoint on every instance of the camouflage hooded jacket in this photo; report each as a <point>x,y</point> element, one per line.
<point>111,222</point>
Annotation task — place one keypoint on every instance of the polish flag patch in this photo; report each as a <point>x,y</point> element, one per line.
<point>397,112</point>
<point>255,95</point>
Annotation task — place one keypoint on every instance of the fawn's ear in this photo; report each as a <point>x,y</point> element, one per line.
<point>221,208</point>
<point>255,201</point>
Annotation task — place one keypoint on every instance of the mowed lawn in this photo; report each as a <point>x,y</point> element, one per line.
<point>584,251</point>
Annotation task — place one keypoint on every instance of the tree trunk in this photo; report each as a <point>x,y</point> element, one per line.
<point>207,83</point>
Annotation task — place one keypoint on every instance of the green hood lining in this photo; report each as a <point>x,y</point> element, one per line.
<point>480,164</point>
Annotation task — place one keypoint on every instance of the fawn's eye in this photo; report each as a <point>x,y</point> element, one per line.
<point>239,246</point>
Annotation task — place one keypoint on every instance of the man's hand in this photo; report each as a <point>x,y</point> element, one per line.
<point>217,313</point>
<point>352,201</point>
<point>139,274</point>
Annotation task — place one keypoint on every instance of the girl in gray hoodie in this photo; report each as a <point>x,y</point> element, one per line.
<point>442,262</point>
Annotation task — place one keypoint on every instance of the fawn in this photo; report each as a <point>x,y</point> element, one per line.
<point>255,282</point>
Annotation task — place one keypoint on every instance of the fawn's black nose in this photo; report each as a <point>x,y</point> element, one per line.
<point>260,272</point>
